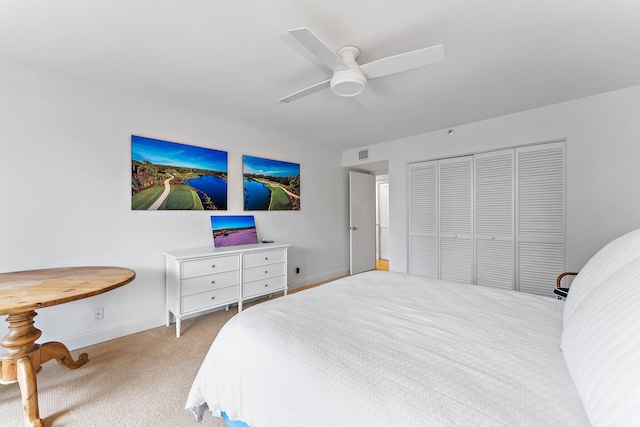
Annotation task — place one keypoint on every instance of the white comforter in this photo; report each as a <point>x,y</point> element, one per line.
<point>390,349</point>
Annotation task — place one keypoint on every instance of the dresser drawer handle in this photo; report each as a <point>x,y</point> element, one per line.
<point>213,266</point>
<point>213,281</point>
<point>265,272</point>
<point>266,257</point>
<point>213,297</point>
<point>266,285</point>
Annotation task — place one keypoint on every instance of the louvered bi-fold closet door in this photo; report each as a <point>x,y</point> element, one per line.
<point>494,219</point>
<point>423,219</point>
<point>540,217</point>
<point>456,218</point>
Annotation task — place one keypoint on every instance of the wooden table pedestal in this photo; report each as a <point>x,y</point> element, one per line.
<point>23,357</point>
<point>20,294</point>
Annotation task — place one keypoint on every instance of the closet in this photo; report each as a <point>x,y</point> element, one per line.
<point>493,219</point>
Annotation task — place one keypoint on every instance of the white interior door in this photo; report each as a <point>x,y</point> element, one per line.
<point>540,233</point>
<point>494,219</point>
<point>362,222</point>
<point>424,249</point>
<point>456,218</point>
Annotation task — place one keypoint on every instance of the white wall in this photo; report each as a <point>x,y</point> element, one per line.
<point>603,165</point>
<point>65,166</point>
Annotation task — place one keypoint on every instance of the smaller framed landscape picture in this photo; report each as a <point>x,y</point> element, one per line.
<point>233,230</point>
<point>270,185</point>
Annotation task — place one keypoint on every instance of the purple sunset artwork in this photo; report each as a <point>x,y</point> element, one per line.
<point>233,230</point>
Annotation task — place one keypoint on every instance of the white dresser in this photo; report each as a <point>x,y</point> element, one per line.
<point>202,279</point>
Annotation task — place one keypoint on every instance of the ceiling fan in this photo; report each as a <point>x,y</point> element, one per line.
<point>349,78</point>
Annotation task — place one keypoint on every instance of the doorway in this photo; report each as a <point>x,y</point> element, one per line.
<point>382,222</point>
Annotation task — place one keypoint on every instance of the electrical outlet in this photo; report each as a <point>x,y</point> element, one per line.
<point>98,313</point>
<point>297,270</point>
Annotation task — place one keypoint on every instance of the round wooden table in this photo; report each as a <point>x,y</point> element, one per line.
<point>21,293</point>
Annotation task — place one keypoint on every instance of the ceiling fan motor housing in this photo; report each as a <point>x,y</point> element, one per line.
<point>349,82</point>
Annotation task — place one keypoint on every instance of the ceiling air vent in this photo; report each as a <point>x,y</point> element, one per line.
<point>364,154</point>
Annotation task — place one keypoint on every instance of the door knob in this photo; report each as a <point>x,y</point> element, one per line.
<point>353,228</point>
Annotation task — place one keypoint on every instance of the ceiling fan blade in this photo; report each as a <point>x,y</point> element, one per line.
<point>403,62</point>
<point>306,91</point>
<point>319,49</point>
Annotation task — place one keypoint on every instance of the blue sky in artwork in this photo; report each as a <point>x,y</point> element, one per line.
<point>173,154</point>
<point>232,221</point>
<point>260,166</point>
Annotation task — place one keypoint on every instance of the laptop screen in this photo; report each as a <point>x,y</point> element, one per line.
<point>233,230</point>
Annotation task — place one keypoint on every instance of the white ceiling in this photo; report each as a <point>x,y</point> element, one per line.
<point>235,59</point>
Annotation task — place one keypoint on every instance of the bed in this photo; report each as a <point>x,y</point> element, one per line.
<point>391,349</point>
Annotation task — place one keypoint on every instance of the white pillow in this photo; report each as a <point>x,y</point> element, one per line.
<point>601,346</point>
<point>605,262</point>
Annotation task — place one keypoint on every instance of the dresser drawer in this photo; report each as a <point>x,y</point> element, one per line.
<point>265,286</point>
<point>209,282</point>
<point>204,266</point>
<point>265,257</point>
<point>212,298</point>
<point>263,272</point>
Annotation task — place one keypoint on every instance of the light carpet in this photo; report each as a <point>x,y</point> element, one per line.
<point>138,380</point>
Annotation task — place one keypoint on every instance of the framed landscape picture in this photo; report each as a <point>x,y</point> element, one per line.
<point>171,176</point>
<point>233,230</point>
<point>270,185</point>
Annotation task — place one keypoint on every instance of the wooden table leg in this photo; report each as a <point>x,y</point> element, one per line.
<point>59,351</point>
<point>22,359</point>
<point>29,390</point>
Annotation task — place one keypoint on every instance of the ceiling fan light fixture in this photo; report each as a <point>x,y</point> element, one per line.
<point>348,83</point>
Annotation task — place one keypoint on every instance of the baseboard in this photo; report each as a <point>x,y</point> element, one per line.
<point>310,280</point>
<point>107,333</point>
